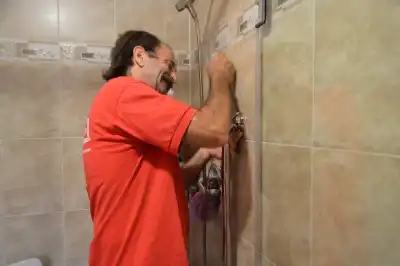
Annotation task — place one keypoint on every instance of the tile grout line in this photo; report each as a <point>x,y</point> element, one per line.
<point>115,17</point>
<point>343,150</point>
<point>311,200</point>
<point>327,148</point>
<point>2,218</point>
<point>165,27</point>
<point>190,59</point>
<point>41,138</point>
<point>370,153</point>
<point>269,261</point>
<point>241,238</point>
<point>63,199</point>
<point>365,153</point>
<point>10,216</point>
<point>58,19</point>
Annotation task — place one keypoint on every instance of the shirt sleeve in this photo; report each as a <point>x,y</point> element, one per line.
<point>151,117</point>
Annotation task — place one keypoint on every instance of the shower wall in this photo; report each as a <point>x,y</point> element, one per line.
<point>43,104</point>
<point>331,156</point>
<point>331,134</point>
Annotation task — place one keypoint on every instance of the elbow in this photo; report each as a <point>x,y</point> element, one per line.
<point>219,136</point>
<point>220,139</point>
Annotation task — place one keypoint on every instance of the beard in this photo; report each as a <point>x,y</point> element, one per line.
<point>164,83</point>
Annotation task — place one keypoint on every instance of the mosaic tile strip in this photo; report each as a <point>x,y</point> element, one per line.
<point>21,49</point>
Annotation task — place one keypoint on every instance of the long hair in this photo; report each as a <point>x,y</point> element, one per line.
<point>122,52</point>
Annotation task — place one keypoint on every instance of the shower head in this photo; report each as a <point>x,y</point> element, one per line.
<point>182,4</point>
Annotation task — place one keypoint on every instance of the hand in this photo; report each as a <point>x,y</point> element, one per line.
<point>215,153</point>
<point>220,67</point>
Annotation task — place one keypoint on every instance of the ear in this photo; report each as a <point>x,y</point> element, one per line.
<point>138,56</point>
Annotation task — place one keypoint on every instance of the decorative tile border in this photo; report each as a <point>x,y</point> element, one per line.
<point>47,51</point>
<point>11,49</point>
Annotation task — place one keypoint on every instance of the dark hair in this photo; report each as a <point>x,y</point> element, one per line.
<point>122,52</point>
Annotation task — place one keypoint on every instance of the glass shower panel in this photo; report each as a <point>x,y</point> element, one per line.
<point>331,160</point>
<point>208,240</point>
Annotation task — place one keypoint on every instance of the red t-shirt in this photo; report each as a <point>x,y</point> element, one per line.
<point>136,191</point>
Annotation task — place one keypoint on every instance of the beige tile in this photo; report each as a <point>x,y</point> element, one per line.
<point>29,99</point>
<point>357,75</point>
<point>242,194</point>
<point>75,195</point>
<point>87,21</point>
<point>2,201</point>
<point>209,12</point>
<point>80,83</point>
<point>33,185</point>
<point>194,87</point>
<point>78,235</point>
<point>177,31</point>
<point>212,14</point>
<point>356,215</point>
<point>31,20</point>
<point>244,253</point>
<point>243,57</point>
<point>266,262</point>
<point>35,236</point>
<point>77,262</point>
<point>182,87</point>
<point>141,15</point>
<point>237,6</point>
<point>287,77</point>
<point>286,205</point>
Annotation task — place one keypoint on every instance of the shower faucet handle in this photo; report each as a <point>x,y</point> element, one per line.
<point>238,120</point>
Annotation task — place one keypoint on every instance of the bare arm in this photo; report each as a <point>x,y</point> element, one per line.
<point>191,169</point>
<point>210,126</point>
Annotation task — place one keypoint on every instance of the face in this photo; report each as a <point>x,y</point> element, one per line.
<point>158,68</point>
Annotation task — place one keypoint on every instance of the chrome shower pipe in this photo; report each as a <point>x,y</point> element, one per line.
<point>188,4</point>
<point>180,6</point>
<point>193,14</point>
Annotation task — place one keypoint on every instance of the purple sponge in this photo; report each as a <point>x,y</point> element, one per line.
<point>204,206</point>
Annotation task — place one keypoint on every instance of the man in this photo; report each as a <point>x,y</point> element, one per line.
<point>133,135</point>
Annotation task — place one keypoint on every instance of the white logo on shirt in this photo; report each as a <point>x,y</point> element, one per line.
<point>86,138</point>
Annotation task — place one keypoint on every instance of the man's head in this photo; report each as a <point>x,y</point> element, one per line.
<point>143,56</point>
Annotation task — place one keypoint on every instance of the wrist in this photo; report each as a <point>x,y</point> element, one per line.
<point>220,81</point>
<point>204,154</point>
